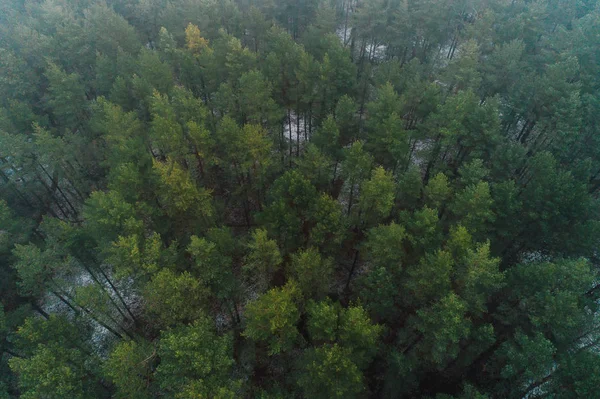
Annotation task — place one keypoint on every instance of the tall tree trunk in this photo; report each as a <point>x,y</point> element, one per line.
<point>352,270</point>
<point>291,143</point>
<point>433,159</point>
<point>347,4</point>
<point>410,154</point>
<point>298,131</point>
<point>117,293</point>
<point>334,173</point>
<point>51,192</point>
<point>41,311</point>
<point>282,144</point>
<point>54,179</point>
<point>350,198</point>
<point>310,121</point>
<point>15,189</point>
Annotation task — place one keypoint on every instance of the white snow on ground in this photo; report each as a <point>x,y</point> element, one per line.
<point>297,135</point>
<point>377,52</point>
<point>340,33</point>
<point>100,336</point>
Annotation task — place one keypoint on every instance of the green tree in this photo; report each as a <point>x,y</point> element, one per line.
<point>194,359</point>
<point>385,245</point>
<point>179,196</point>
<point>286,213</point>
<point>272,318</point>
<point>520,365</point>
<point>550,302</point>
<point>478,277</point>
<point>355,168</point>
<point>57,360</point>
<point>473,207</point>
<point>129,367</point>
<point>326,138</point>
<point>328,223</point>
<point>49,373</point>
<point>430,279</point>
<point>263,259</point>
<point>328,322</point>
<point>328,372</point>
<point>66,97</point>
<point>173,299</point>
<point>437,191</point>
<point>441,327</point>
<point>377,196</point>
<point>312,272</point>
<point>387,140</point>
<point>212,267</point>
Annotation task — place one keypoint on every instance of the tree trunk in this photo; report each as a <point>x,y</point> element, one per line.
<point>346,21</point>
<point>352,270</point>
<point>351,198</point>
<point>290,135</point>
<point>117,293</point>
<point>298,131</point>
<point>41,311</point>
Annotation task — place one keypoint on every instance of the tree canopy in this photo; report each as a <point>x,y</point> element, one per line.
<point>299,199</point>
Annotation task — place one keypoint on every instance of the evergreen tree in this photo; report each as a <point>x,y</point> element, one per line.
<point>299,198</point>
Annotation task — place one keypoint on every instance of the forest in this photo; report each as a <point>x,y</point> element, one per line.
<point>299,199</point>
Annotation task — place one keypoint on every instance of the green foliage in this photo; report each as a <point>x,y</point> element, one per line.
<point>263,259</point>
<point>312,273</point>
<point>66,96</point>
<point>211,266</point>
<point>472,173</point>
<point>379,291</point>
<point>358,333</point>
<point>255,100</point>
<point>282,198</point>
<point>129,367</point>
<point>437,191</point>
<point>580,373</point>
<point>328,322</point>
<point>323,320</point>
<point>272,318</point>
<point>387,140</point>
<point>194,359</point>
<point>179,195</point>
<point>50,373</point>
<point>468,392</point>
<point>174,299</point>
<point>327,137</point>
<point>430,279</point>
<point>357,162</point>
<point>315,166</point>
<point>442,326</point>
<point>410,185</point>
<point>549,296</point>
<point>34,267</point>
<point>108,215</point>
<point>472,207</point>
<point>153,73</point>
<point>385,245</point>
<point>56,365</point>
<point>377,196</point>
<point>291,198</point>
<point>519,362</point>
<point>328,372</point>
<point>328,230</point>
<point>132,256</point>
<point>423,228</point>
<point>478,277</point>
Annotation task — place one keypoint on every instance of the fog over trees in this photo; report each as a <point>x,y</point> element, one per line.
<point>299,199</point>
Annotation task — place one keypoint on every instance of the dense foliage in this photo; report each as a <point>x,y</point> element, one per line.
<point>299,199</point>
